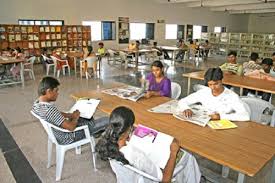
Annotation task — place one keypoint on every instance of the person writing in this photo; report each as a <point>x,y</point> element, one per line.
<point>220,101</point>
<point>159,84</point>
<point>113,145</point>
<point>46,109</point>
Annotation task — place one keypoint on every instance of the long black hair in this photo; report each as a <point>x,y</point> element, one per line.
<point>107,147</point>
<point>90,50</point>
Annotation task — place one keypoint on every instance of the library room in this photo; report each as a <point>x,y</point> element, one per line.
<point>137,91</point>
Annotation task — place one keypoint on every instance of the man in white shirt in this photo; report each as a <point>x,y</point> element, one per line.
<point>222,102</point>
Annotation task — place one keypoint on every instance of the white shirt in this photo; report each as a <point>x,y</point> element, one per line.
<point>228,104</point>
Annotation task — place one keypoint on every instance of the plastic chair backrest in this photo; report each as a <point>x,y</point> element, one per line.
<point>31,60</point>
<point>257,106</point>
<point>90,61</point>
<point>47,128</point>
<point>176,90</point>
<point>111,52</point>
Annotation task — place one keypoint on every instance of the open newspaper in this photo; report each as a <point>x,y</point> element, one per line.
<point>86,107</point>
<point>155,145</point>
<point>126,92</point>
<point>200,115</point>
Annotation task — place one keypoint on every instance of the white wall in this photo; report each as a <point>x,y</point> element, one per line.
<point>75,11</point>
<point>261,23</point>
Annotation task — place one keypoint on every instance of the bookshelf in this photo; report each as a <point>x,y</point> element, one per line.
<point>243,43</point>
<point>34,38</point>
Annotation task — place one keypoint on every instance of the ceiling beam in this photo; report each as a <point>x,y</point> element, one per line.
<point>210,3</point>
<point>255,6</point>
<point>252,11</point>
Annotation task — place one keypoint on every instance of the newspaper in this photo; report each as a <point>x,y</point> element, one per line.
<point>200,115</point>
<point>166,108</point>
<point>126,92</point>
<point>86,107</point>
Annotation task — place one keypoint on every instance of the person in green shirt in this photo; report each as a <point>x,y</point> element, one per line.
<point>231,66</point>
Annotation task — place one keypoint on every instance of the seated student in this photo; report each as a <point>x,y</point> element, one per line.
<point>183,48</point>
<point>134,46</point>
<point>252,64</point>
<point>113,145</point>
<point>91,60</point>
<point>231,66</point>
<point>45,108</point>
<point>205,48</point>
<point>18,53</point>
<point>193,48</point>
<point>224,103</point>
<point>101,50</point>
<point>160,51</point>
<point>264,74</point>
<point>159,84</point>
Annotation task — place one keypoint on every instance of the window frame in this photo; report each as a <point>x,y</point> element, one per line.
<point>176,33</point>
<point>40,20</point>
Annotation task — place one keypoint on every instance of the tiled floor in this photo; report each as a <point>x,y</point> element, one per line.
<point>31,139</point>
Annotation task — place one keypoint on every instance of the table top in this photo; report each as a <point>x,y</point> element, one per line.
<point>173,48</point>
<point>239,81</point>
<point>7,60</point>
<point>245,149</point>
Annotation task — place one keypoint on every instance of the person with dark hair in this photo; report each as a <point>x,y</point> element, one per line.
<point>160,51</point>
<point>252,64</point>
<point>159,84</point>
<point>205,49</point>
<point>183,48</point>
<point>113,145</point>
<point>45,108</point>
<point>231,66</point>
<point>101,50</point>
<point>224,103</point>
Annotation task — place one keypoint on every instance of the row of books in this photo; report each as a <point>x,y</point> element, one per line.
<point>31,29</point>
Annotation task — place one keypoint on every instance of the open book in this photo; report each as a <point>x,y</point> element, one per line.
<point>154,144</point>
<point>126,92</point>
<point>86,107</point>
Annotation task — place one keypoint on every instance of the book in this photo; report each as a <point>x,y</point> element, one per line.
<point>86,107</point>
<point>126,92</point>
<point>155,144</point>
<point>200,115</point>
<point>221,124</point>
<point>166,108</point>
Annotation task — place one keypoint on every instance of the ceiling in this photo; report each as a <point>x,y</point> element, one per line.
<point>230,6</point>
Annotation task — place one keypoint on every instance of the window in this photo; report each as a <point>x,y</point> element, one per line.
<point>217,29</point>
<point>180,32</point>
<point>40,22</point>
<point>104,30</point>
<point>137,31</point>
<point>197,31</point>
<point>171,31</point>
<point>142,31</point>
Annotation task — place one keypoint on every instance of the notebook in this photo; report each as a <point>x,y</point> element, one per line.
<point>221,124</point>
<point>155,144</point>
<point>86,107</point>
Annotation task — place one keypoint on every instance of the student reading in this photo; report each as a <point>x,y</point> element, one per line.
<point>222,102</point>
<point>112,145</point>
<point>159,84</point>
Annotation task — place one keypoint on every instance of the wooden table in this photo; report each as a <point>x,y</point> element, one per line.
<point>4,61</point>
<point>237,81</point>
<point>246,149</point>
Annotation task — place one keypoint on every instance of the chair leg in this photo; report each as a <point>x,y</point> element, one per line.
<point>78,150</point>
<point>63,70</point>
<point>33,75</point>
<point>58,73</point>
<point>54,71</point>
<point>50,146</point>
<point>69,71</point>
<point>47,70</point>
<point>60,153</point>
<point>93,152</point>
<point>225,171</point>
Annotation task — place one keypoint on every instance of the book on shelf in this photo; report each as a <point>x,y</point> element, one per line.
<point>23,29</point>
<point>10,29</point>
<point>54,44</point>
<point>47,29</point>
<point>17,29</point>
<point>41,29</point>
<point>57,29</point>
<point>35,29</point>
<point>58,36</point>
<point>2,29</point>
<point>30,30</point>
<point>11,38</point>
<point>2,37</point>
<point>36,44</point>
<point>24,37</point>
<point>74,29</point>
<point>69,29</point>
<point>200,115</point>
<point>48,44</point>
<point>79,29</point>
<point>64,43</point>
<point>43,44</point>
<point>64,36</point>
<point>53,36</point>
<point>86,107</point>
<point>58,43</point>
<point>30,37</point>
<point>221,124</point>
<point>18,37</point>
<point>35,37</point>
<point>126,92</point>
<point>30,45</point>
<point>152,142</point>
<point>52,29</point>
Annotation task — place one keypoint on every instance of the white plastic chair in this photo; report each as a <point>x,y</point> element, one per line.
<point>112,56</point>
<point>176,90</point>
<point>257,107</point>
<point>63,66</point>
<point>198,87</point>
<point>61,149</point>
<point>48,66</point>
<point>128,172</point>
<point>90,61</point>
<point>28,67</point>
<point>126,58</point>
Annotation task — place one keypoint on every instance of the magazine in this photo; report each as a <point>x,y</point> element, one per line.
<point>126,92</point>
<point>155,145</point>
<point>200,115</point>
<point>86,107</point>
<point>166,108</point>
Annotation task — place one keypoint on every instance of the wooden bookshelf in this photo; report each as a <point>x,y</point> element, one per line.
<point>34,38</point>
